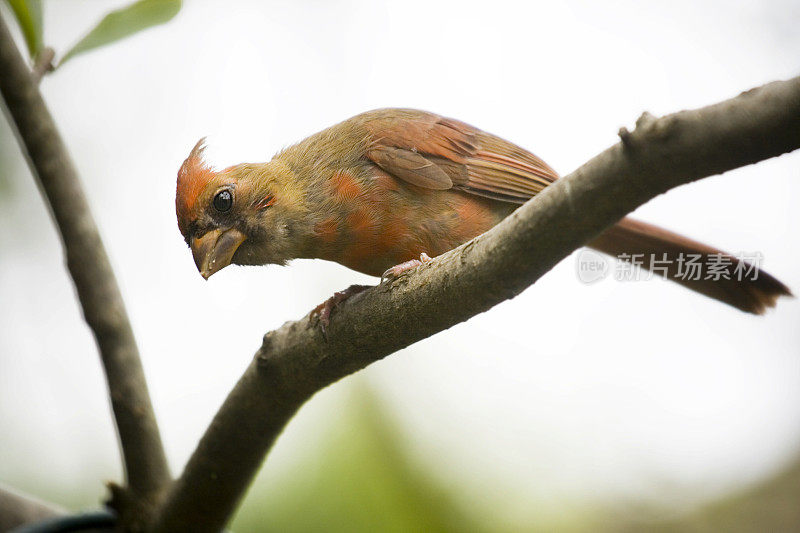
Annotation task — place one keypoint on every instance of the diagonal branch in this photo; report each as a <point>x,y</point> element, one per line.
<point>295,360</point>
<point>103,309</point>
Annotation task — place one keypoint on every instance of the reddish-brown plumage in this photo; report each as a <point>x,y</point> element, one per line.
<point>327,230</point>
<point>193,177</point>
<point>384,187</point>
<point>345,186</point>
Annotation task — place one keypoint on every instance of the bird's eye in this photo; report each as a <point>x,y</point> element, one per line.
<point>223,201</point>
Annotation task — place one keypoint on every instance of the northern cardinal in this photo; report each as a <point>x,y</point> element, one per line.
<point>387,186</point>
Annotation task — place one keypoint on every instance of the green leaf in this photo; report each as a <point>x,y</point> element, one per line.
<point>124,22</point>
<point>359,478</point>
<point>29,17</point>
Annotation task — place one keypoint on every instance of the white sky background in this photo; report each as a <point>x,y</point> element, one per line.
<point>567,392</point>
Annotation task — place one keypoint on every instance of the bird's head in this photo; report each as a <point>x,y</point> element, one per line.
<point>248,214</point>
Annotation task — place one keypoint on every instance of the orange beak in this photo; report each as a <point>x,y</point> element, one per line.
<point>213,251</point>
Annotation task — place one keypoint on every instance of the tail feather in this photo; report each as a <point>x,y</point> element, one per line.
<point>743,286</point>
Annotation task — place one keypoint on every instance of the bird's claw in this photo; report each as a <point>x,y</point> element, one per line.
<point>323,311</point>
<point>398,270</point>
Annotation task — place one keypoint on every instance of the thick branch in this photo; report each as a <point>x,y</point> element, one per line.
<point>17,509</point>
<point>88,264</point>
<point>295,361</point>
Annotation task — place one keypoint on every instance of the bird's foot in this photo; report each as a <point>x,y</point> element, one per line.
<point>398,270</point>
<point>323,311</point>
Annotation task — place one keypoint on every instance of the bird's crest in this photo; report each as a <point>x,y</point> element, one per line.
<point>193,177</point>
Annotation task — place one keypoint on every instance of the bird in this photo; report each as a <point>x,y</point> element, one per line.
<point>383,191</point>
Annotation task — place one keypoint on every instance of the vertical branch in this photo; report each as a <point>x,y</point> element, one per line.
<point>144,460</point>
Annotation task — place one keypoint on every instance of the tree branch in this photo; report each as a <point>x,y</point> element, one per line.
<point>43,65</point>
<point>17,509</point>
<point>103,309</point>
<point>295,360</point>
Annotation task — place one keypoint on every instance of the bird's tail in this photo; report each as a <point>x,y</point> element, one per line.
<point>697,266</point>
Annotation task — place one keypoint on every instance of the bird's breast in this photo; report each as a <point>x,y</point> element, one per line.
<point>371,223</point>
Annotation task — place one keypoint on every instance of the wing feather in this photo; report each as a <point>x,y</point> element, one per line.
<point>410,166</point>
<point>434,152</point>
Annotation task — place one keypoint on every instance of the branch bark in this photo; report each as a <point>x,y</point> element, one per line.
<point>295,360</point>
<point>17,509</point>
<point>88,264</point>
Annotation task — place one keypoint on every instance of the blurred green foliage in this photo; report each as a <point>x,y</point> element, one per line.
<point>771,505</point>
<point>359,479</point>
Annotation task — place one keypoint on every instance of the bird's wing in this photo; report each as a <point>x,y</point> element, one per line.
<point>434,152</point>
